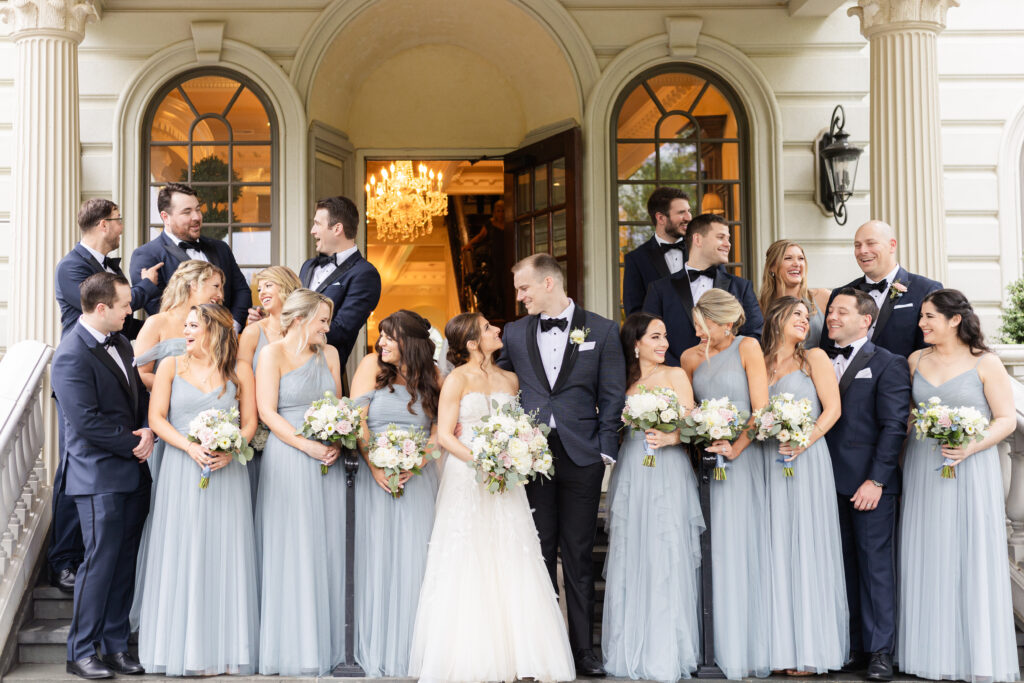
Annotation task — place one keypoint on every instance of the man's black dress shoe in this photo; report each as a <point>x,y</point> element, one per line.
<point>123,663</point>
<point>587,664</point>
<point>858,662</point>
<point>65,580</point>
<point>880,667</point>
<point>89,667</point>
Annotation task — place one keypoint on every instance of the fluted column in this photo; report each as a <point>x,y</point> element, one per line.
<point>906,160</point>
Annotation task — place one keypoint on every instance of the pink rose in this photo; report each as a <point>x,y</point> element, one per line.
<point>382,441</point>
<point>945,422</point>
<point>409,447</point>
<point>343,427</point>
<point>506,460</point>
<point>767,420</point>
<point>726,414</point>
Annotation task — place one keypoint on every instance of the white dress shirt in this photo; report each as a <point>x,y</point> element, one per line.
<point>321,273</point>
<point>700,285</point>
<point>100,337</point>
<point>840,364</point>
<point>673,257</point>
<point>551,345</point>
<point>879,296</point>
<point>192,253</point>
<point>98,256</point>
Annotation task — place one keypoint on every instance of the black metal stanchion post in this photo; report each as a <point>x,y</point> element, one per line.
<point>349,668</point>
<point>707,667</point>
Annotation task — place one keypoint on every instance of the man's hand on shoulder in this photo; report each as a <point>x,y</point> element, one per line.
<point>151,273</point>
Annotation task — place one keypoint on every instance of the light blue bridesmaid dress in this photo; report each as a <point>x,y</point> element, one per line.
<point>810,620</point>
<point>391,545</point>
<point>300,542</point>
<point>955,607</point>
<point>199,614</point>
<point>739,532</point>
<point>650,627</point>
<point>165,349</point>
<point>253,466</point>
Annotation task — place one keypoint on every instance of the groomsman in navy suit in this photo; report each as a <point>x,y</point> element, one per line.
<point>104,404</point>
<point>672,299</point>
<point>662,255</point>
<point>865,446</point>
<point>340,272</point>
<point>897,292</point>
<point>181,241</point>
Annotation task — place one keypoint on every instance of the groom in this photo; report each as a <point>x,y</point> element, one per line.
<point>571,370</point>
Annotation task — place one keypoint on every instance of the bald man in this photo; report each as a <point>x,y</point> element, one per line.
<point>897,293</point>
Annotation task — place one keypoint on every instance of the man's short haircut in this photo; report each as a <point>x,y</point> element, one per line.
<point>544,264</point>
<point>865,304</point>
<point>167,192</point>
<point>660,201</point>
<point>341,210</point>
<point>93,211</point>
<point>701,225</point>
<point>100,288</point>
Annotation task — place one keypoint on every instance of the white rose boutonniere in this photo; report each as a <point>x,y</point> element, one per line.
<point>579,335</point>
<point>896,290</point>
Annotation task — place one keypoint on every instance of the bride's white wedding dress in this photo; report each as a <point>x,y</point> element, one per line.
<point>487,610</point>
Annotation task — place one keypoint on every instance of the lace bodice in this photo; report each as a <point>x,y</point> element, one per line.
<point>476,405</point>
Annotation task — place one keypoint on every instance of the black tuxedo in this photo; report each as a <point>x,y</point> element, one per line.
<point>237,297</point>
<point>896,329</point>
<point>671,300</point>
<point>586,401</point>
<point>643,265</point>
<point>865,444</point>
<point>102,407</point>
<point>354,287</point>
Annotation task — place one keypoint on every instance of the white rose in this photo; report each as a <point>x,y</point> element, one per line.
<point>669,415</point>
<point>783,436</point>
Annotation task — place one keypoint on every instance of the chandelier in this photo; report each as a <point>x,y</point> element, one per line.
<point>403,204</point>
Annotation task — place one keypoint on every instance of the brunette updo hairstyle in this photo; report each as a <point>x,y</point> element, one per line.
<point>411,332</point>
<point>632,332</point>
<point>460,330</point>
<point>950,302</point>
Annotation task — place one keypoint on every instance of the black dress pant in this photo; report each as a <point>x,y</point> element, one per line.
<point>66,546</point>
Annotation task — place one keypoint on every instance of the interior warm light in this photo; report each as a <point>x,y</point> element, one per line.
<point>403,204</point>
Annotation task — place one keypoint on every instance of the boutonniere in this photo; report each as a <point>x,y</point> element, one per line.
<point>896,290</point>
<point>579,335</point>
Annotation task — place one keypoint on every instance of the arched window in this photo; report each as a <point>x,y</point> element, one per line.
<point>682,126</point>
<point>213,130</point>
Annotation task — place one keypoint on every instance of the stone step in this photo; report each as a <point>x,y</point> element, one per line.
<point>52,603</point>
<point>36,673</point>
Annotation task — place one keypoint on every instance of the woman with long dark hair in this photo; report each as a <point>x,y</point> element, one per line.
<point>398,385</point>
<point>955,608</point>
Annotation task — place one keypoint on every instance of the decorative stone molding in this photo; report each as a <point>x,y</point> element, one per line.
<point>208,37</point>
<point>683,33</point>
<point>62,16</point>
<point>886,15</point>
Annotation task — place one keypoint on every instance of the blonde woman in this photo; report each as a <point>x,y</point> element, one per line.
<point>300,513</point>
<point>725,364</point>
<point>785,274</point>
<point>198,607</point>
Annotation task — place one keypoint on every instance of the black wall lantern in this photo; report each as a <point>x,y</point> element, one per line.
<point>837,167</point>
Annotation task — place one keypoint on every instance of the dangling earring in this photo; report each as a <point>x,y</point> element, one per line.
<point>636,351</point>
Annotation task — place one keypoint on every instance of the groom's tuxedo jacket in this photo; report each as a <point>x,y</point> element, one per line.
<point>866,441</point>
<point>354,287</point>
<point>589,392</point>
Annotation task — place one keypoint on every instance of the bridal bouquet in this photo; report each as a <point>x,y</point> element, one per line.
<point>329,420</point>
<point>952,427</point>
<point>400,450</point>
<point>651,408</point>
<point>509,448</point>
<point>217,431</point>
<point>713,420</point>
<point>787,419</point>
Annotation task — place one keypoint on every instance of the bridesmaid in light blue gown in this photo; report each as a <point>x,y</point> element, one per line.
<point>724,365</point>
<point>199,613</point>
<point>810,626</point>
<point>397,385</point>
<point>785,274</point>
<point>956,614</point>
<point>651,625</point>
<point>300,512</point>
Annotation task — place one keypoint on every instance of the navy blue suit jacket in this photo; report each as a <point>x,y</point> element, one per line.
<point>897,328</point>
<point>866,441</point>
<point>643,265</point>
<point>237,297</point>
<point>72,271</point>
<point>101,409</point>
<point>354,287</point>
<point>671,300</point>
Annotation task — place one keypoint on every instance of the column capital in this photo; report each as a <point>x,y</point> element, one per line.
<point>877,16</point>
<point>61,17</point>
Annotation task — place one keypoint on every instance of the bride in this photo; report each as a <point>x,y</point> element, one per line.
<point>487,611</point>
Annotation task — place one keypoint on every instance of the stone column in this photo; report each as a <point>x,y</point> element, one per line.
<point>906,160</point>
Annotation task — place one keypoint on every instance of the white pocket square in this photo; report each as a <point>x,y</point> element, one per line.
<point>902,306</point>
<point>334,284</point>
<point>587,346</point>
<point>863,374</point>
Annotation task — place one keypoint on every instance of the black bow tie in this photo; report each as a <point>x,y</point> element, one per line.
<point>707,272</point>
<point>548,323</point>
<point>845,351</point>
<point>113,263</point>
<point>869,287</point>
<point>323,259</point>
<point>665,248</point>
<point>112,339</point>
<point>190,245</point>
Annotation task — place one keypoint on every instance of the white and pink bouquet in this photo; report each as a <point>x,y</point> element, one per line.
<point>330,420</point>
<point>952,427</point>
<point>397,450</point>
<point>510,448</point>
<point>787,419</point>
<point>218,432</point>
<point>715,419</point>
<point>651,408</point>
